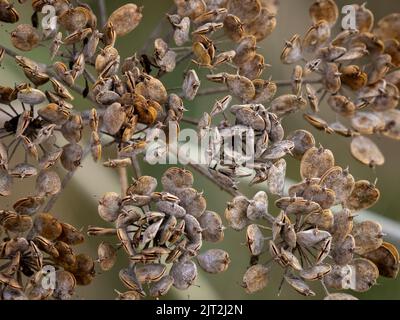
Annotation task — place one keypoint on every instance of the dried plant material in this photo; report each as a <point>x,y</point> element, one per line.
<point>315,162</point>
<point>363,196</point>
<point>324,10</point>
<point>366,151</point>
<point>214,260</point>
<point>255,278</point>
<point>125,19</point>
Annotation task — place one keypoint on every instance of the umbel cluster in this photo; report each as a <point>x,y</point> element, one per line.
<point>161,225</point>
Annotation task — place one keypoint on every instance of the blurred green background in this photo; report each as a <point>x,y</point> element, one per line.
<point>78,204</point>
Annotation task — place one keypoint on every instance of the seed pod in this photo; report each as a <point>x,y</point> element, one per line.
<point>17,223</point>
<point>276,177</point>
<point>241,87</point>
<point>367,123</point>
<point>258,206</point>
<point>386,99</point>
<point>47,226</point>
<point>193,201</point>
<point>339,278</point>
<point>322,220</point>
<point>315,162</point>
<point>233,27</point>
<point>28,205</point>
<point>49,159</point>
<point>332,80</point>
<point>23,170</point>
<point>161,287</point>
<point>46,246</point>
<point>31,96</point>
<point>151,231</point>
<point>342,105</point>
<point>150,272</point>
<point>211,223</point>
<point>353,77</point>
<point>128,295</point>
<point>255,278</point>
<point>235,213</point>
<point>299,285</point>
<point>181,33</point>
<point>323,196</point>
<point>318,123</point>
<point>25,37</point>
<point>71,156</point>
<point>109,206</point>
<point>265,90</point>
<point>287,104</point>
<point>343,224</point>
<point>303,140</point>
<point>249,117</point>
<point>129,279</point>
<point>191,9</point>
<point>292,52</point>
<point>255,239</point>
<point>316,272</point>
<point>343,251</point>
<point>184,274</point>
<point>144,185</point>
<point>324,10</point>
<point>176,178</point>
<point>8,13</point>
<point>312,237</point>
<point>54,114</point>
<point>74,19</point>
<point>386,258</point>
<point>113,118</point>
<point>263,25</point>
<point>48,183</point>
<point>368,236</point>
<point>71,235</point>
<point>214,261</point>
<point>316,36</point>
<point>392,48</point>
<point>366,274</point>
<point>340,296</point>
<point>366,151</point>
<point>340,181</point>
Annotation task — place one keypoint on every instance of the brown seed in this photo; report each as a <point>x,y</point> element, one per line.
<point>47,226</point>
<point>386,258</point>
<point>126,18</point>
<point>48,183</point>
<point>299,285</point>
<point>324,10</point>
<point>184,274</point>
<point>366,274</point>
<point>255,278</point>
<point>339,278</point>
<point>340,296</point>
<point>343,250</point>
<point>315,162</point>
<point>303,140</point>
<point>25,37</point>
<point>109,206</point>
<point>366,151</point>
<point>263,25</point>
<point>161,287</point>
<point>340,181</point>
<point>214,261</point>
<point>364,196</point>
<point>368,236</point>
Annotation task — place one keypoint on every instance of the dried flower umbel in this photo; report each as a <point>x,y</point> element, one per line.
<point>316,235</point>
<point>160,228</point>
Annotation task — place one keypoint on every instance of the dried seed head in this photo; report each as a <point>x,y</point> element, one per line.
<point>324,10</point>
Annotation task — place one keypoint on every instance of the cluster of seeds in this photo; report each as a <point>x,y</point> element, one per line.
<point>315,236</point>
<point>354,70</point>
<point>153,240</point>
<point>33,242</point>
